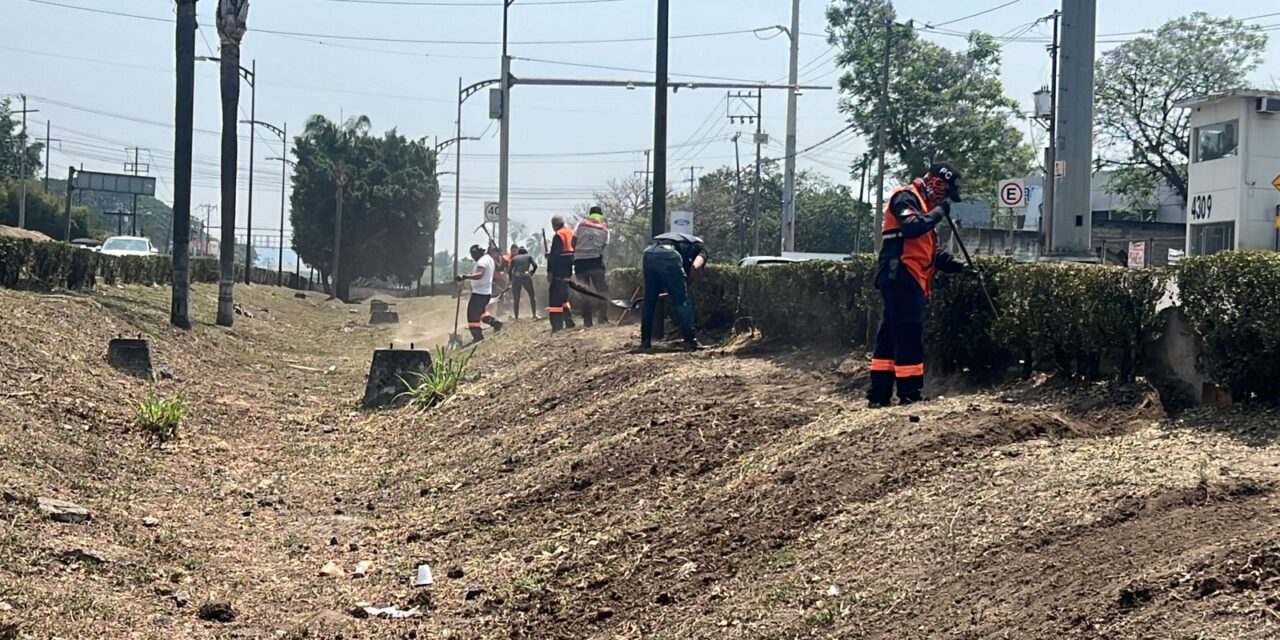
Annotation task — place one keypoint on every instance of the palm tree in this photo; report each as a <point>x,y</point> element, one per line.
<point>232,19</point>
<point>185,51</point>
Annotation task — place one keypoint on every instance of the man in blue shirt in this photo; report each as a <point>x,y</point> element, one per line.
<point>671,262</point>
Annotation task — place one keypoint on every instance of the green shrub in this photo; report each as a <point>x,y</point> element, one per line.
<point>1232,303</point>
<point>814,301</point>
<point>427,389</point>
<point>15,254</point>
<point>159,417</point>
<point>960,330</point>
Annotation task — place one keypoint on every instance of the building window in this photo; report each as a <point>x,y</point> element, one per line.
<point>1218,140</point>
<point>1208,239</point>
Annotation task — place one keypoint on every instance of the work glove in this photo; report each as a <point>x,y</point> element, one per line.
<point>459,278</point>
<point>970,270</point>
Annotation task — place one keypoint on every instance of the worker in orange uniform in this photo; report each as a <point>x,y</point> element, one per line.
<point>909,256</point>
<point>559,272</point>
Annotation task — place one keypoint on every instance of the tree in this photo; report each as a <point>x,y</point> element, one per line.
<point>184,110</point>
<point>1141,133</point>
<point>390,209</point>
<point>232,18</point>
<point>11,139</point>
<point>942,104</point>
<point>45,211</point>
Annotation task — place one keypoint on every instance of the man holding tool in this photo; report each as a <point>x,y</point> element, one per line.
<point>909,256</point>
<point>521,271</point>
<point>671,262</point>
<point>559,272</point>
<point>590,240</point>
<point>481,291</point>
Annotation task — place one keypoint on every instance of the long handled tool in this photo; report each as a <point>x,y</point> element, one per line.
<point>621,304</point>
<point>455,339</point>
<point>982,279</point>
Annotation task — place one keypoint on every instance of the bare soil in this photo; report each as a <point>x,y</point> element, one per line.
<point>573,489</point>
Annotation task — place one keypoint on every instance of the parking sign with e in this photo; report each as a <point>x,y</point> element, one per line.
<point>1011,193</point>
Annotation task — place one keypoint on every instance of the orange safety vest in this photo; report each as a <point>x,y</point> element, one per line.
<point>566,240</point>
<point>918,254</point>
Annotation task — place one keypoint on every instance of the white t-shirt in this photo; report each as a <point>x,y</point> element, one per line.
<point>484,285</point>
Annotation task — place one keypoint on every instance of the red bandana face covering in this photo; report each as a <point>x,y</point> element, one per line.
<point>933,187</point>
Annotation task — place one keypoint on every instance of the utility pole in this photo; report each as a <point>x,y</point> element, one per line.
<point>208,209</point>
<point>1051,151</point>
<point>48,142</point>
<point>253,131</point>
<point>504,136</point>
<point>337,233</point>
<point>753,115</point>
<point>184,111</point>
<point>737,192</point>
<point>22,164</point>
<point>789,171</point>
<point>457,187</point>
<point>646,173</point>
<point>1072,226</point>
<point>658,221</point>
<point>135,167</point>
<point>693,183</point>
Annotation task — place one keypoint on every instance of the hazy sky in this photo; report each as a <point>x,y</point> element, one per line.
<point>106,83</point>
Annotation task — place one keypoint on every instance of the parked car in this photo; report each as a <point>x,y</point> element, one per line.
<point>87,243</point>
<point>127,246</point>
<point>763,261</point>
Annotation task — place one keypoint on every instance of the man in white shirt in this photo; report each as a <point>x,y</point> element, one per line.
<point>481,291</point>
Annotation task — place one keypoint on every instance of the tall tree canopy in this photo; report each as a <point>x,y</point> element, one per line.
<point>10,139</point>
<point>942,104</point>
<point>1141,134</point>
<point>391,201</point>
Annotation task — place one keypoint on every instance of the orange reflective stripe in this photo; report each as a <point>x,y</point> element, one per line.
<point>909,370</point>
<point>474,325</point>
<point>880,364</point>
<point>555,309</point>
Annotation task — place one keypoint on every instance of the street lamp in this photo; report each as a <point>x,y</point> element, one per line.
<point>285,163</point>
<point>250,76</point>
<point>281,133</point>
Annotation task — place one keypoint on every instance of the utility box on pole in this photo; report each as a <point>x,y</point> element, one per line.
<point>1072,224</point>
<point>1233,180</point>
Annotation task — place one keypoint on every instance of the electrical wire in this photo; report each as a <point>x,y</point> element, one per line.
<point>428,3</point>
<point>644,71</point>
<point>975,15</point>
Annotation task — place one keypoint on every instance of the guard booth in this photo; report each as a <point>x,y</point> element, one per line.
<point>1233,188</point>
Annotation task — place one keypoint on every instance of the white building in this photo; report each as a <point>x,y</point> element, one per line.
<point>1234,175</point>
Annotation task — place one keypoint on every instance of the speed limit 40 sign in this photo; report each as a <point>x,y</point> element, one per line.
<point>492,212</point>
<point>1011,193</point>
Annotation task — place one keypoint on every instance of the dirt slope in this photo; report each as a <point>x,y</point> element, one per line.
<point>575,490</point>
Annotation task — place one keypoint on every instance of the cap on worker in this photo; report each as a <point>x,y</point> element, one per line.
<point>950,175</point>
<point>477,252</point>
<point>596,213</point>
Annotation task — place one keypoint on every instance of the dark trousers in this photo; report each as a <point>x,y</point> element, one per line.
<point>590,274</point>
<point>519,284</point>
<point>558,308</point>
<point>478,314</point>
<point>898,356</point>
<point>664,273</point>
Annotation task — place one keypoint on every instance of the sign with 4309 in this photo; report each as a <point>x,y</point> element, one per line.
<point>1201,207</point>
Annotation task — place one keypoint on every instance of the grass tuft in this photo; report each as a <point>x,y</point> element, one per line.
<point>160,417</point>
<point>428,389</point>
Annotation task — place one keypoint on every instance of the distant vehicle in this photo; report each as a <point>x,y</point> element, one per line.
<point>128,246</point>
<point>87,243</point>
<point>764,261</point>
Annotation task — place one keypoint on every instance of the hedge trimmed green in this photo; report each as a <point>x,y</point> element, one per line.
<point>1232,301</point>
<point>55,264</point>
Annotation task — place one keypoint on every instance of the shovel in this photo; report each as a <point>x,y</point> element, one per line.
<point>455,339</point>
<point>621,304</point>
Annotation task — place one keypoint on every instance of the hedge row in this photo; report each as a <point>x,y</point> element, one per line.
<point>1085,320</point>
<point>55,264</point>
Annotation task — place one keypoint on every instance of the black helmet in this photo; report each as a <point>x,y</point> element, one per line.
<point>476,252</point>
<point>950,175</point>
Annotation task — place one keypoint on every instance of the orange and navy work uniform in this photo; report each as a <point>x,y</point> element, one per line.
<point>559,271</point>
<point>909,256</point>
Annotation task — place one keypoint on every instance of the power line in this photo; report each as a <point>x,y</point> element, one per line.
<point>974,15</point>
<point>428,3</point>
<point>644,71</point>
<point>300,34</point>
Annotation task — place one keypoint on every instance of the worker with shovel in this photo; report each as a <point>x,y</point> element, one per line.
<point>481,291</point>
<point>671,262</point>
<point>559,272</point>
<point>909,256</point>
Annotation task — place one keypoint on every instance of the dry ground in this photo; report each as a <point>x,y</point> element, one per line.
<point>576,490</point>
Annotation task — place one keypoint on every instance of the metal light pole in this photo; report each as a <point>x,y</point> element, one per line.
<point>457,176</point>
<point>658,223</point>
<point>283,134</point>
<point>504,137</point>
<point>789,171</point>
<point>284,178</point>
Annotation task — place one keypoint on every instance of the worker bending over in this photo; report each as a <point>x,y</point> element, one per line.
<point>521,272</point>
<point>671,262</point>
<point>559,271</point>
<point>481,291</point>
<point>590,240</point>
<point>909,255</point>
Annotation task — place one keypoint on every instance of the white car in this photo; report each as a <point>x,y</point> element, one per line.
<point>762,261</point>
<point>127,246</point>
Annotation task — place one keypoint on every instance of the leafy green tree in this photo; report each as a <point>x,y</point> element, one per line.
<point>45,211</point>
<point>391,201</point>
<point>942,104</point>
<point>10,138</point>
<point>1141,133</point>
